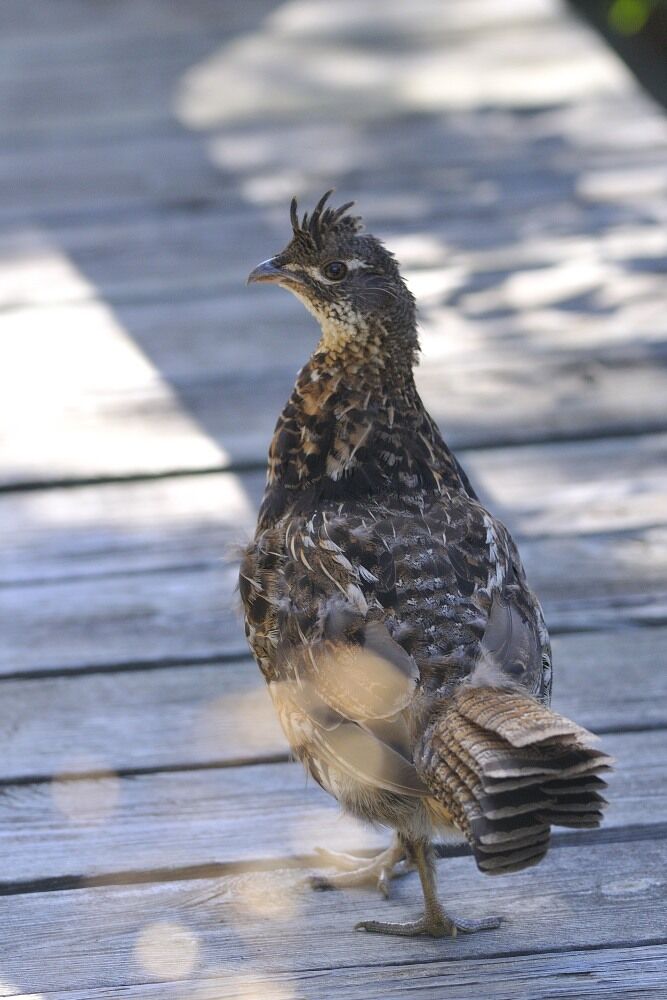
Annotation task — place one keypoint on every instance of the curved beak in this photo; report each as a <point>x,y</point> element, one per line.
<point>269,271</point>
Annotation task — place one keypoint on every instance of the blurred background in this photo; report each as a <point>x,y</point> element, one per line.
<point>151,149</point>
<point>514,156</point>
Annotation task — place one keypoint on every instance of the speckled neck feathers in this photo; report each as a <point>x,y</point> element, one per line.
<point>355,426</point>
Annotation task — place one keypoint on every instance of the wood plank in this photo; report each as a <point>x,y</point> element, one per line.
<point>543,490</point>
<point>597,893</point>
<point>39,88</point>
<point>535,294</point>
<point>34,26</point>
<point>164,821</point>
<point>175,716</point>
<point>629,973</point>
<point>141,66</point>
<point>197,234</point>
<point>76,31</point>
<point>276,43</point>
<point>185,614</point>
<point>93,180</point>
<point>574,487</point>
<point>190,612</point>
<point>447,166</point>
<point>181,425</point>
<point>221,713</point>
<point>601,679</point>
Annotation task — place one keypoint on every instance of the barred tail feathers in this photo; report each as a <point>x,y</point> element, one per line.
<point>507,769</point>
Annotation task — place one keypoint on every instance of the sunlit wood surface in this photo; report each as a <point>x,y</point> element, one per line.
<point>153,833</point>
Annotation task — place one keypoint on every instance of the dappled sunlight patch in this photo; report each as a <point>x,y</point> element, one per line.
<point>433,284</point>
<point>299,60</point>
<point>231,983</point>
<point>624,185</point>
<point>166,949</point>
<point>7,990</point>
<point>238,718</point>
<point>76,389</point>
<point>274,896</point>
<point>85,800</point>
<point>447,335</point>
<point>325,826</point>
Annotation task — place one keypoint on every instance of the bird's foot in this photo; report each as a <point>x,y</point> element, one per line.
<point>380,870</point>
<point>435,924</point>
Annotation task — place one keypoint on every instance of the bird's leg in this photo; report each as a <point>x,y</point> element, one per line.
<point>435,922</point>
<point>380,870</point>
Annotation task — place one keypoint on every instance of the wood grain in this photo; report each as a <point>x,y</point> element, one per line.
<point>150,148</point>
<point>195,715</point>
<point>150,422</point>
<point>88,938</point>
<point>187,612</point>
<point>628,973</point>
<point>542,490</point>
<point>170,820</point>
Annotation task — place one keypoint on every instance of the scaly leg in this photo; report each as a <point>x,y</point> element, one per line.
<point>435,922</point>
<point>379,870</point>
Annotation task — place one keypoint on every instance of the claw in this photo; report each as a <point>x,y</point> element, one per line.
<point>435,922</point>
<point>318,882</point>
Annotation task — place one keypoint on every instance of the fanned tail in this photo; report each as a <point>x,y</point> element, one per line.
<point>506,769</point>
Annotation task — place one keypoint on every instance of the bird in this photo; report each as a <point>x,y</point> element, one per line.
<point>388,610</point>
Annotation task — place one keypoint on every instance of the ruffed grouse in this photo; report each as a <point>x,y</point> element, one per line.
<point>407,658</point>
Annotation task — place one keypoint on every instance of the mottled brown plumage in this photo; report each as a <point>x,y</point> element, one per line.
<point>387,609</point>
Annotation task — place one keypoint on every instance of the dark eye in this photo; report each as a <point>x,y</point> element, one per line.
<point>335,270</point>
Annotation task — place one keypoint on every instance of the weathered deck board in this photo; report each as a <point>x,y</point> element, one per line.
<point>294,82</point>
<point>187,612</point>
<point>507,246</point>
<point>632,973</point>
<point>143,261</point>
<point>89,828</point>
<point>544,490</point>
<point>220,713</point>
<point>149,151</point>
<point>127,170</point>
<point>87,939</point>
<point>148,427</point>
<point>32,24</point>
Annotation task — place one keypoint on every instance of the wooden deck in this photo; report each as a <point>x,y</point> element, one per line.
<point>152,831</point>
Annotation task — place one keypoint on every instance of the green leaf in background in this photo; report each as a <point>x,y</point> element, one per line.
<point>629,16</point>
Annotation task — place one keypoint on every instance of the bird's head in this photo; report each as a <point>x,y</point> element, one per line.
<point>347,279</point>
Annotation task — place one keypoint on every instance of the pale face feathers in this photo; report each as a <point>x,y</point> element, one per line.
<point>348,281</point>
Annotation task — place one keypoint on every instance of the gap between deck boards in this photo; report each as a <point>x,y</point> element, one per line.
<point>258,464</point>
<point>247,760</point>
<point>651,621</point>
<point>387,980</point>
<point>551,903</point>
<point>208,870</point>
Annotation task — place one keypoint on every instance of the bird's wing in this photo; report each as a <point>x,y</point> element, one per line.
<point>365,676</point>
<point>353,695</point>
<point>376,754</point>
<point>515,645</point>
<point>342,684</point>
<point>510,646</point>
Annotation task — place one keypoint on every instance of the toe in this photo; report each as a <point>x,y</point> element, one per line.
<point>370,926</point>
<point>472,926</point>
<point>346,862</point>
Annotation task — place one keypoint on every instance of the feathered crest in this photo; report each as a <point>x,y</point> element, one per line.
<point>313,228</point>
